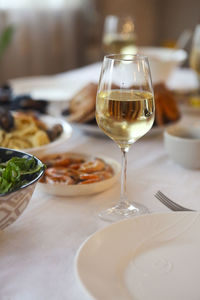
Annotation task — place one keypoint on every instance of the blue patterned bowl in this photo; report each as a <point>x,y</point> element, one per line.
<point>13,203</point>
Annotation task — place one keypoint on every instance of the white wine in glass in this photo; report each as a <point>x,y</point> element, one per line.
<point>119,35</point>
<point>125,112</point>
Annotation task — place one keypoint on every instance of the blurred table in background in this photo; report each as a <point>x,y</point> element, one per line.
<point>182,82</point>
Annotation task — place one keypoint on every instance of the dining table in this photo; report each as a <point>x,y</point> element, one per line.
<point>38,252</point>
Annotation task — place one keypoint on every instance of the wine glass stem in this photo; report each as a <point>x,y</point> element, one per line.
<point>123,197</point>
<point>198,84</point>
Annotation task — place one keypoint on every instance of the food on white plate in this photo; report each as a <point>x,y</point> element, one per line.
<point>64,168</point>
<point>21,131</point>
<point>82,106</point>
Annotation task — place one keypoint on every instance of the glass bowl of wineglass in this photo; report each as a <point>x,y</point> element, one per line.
<point>125,112</point>
<point>195,57</point>
<point>119,35</point>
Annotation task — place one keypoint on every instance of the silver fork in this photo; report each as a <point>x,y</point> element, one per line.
<point>169,203</point>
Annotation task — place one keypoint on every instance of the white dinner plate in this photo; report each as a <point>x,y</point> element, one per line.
<point>151,257</point>
<point>65,135</point>
<point>62,189</point>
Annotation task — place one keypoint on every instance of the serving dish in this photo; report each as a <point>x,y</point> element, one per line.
<point>146,258</point>
<point>65,135</point>
<point>163,61</point>
<point>62,189</point>
<point>13,203</point>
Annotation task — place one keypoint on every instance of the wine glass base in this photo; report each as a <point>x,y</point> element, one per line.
<point>117,213</point>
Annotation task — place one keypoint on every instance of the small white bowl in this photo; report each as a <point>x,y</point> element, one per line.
<point>183,145</point>
<point>163,61</point>
<point>64,190</point>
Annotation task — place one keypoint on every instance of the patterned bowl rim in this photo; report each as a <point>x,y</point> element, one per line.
<point>41,172</point>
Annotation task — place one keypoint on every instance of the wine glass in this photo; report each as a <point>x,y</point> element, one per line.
<point>195,54</point>
<point>119,35</point>
<point>125,112</point>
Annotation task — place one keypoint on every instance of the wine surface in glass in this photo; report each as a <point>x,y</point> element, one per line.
<point>125,115</point>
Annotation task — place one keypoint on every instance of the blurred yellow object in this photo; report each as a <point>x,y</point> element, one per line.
<point>169,44</point>
<point>194,101</point>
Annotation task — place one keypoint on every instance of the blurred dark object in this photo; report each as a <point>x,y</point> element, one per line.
<point>54,132</point>
<point>92,122</point>
<point>25,102</point>
<point>6,119</point>
<point>66,112</point>
<point>22,102</point>
<point>5,94</point>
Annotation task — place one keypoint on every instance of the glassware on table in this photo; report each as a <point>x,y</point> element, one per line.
<point>119,35</point>
<point>125,112</point>
<point>195,55</point>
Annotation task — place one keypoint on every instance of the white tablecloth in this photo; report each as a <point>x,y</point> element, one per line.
<point>37,252</point>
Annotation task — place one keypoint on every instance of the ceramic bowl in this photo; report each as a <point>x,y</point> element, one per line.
<point>12,204</point>
<point>163,61</point>
<point>183,145</point>
<point>61,189</point>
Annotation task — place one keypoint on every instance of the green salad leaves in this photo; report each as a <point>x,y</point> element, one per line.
<point>17,172</point>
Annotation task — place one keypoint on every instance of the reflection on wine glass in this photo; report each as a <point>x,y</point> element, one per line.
<point>195,54</point>
<point>119,35</point>
<point>125,112</point>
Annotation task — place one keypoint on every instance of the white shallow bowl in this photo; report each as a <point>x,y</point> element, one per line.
<point>163,61</point>
<point>50,121</point>
<point>61,189</point>
<point>183,145</point>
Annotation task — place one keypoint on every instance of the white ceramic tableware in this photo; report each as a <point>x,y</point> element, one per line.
<point>151,257</point>
<point>64,190</point>
<point>182,143</point>
<point>163,61</point>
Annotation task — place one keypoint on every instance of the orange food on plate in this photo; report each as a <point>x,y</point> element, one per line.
<point>166,107</point>
<point>64,168</point>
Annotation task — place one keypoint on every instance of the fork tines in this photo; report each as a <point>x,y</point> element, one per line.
<point>169,203</point>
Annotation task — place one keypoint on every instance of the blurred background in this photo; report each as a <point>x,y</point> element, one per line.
<point>53,36</point>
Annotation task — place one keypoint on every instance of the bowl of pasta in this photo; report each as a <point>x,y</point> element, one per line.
<point>19,174</point>
<point>30,133</point>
